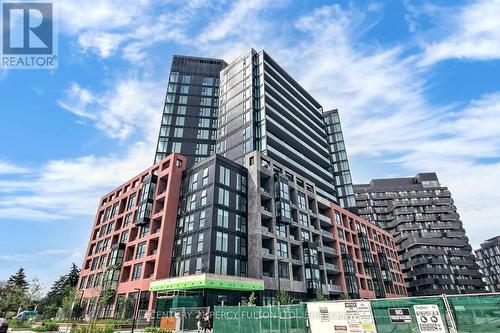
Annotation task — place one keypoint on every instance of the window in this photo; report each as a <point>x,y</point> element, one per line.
<point>241,223</point>
<point>141,249</point>
<point>241,183</point>
<point>127,220</point>
<point>178,132</point>
<point>241,203</point>
<point>284,209</point>
<point>206,101</point>
<point>114,211</point>
<point>301,200</point>
<point>83,280</point>
<point>189,220</point>
<point>305,235</point>
<point>162,145</point>
<point>201,149</point>
<point>192,202</point>
<point>208,81</point>
<point>185,90</point>
<point>281,229</point>
<point>137,272</point>
<point>203,134</point>
<point>187,245</point>
<point>203,197</point>
<point>206,91</point>
<point>284,191</point>
<point>193,182</point>
<point>204,122</point>
<point>205,112</point>
<point>131,200</point>
<point>183,99</point>
<point>198,265</point>
<point>205,177</point>
<point>199,247</point>
<point>240,245</point>
<point>202,219</point>
<point>186,79</point>
<point>179,121</point>
<point>222,218</point>
<point>223,197</point>
<point>282,249</point>
<point>303,219</point>
<point>176,147</point>
<point>181,110</point>
<point>124,237</point>
<point>144,231</point>
<point>338,218</point>
<point>221,241</point>
<point>283,270</point>
<point>220,265</point>
<point>174,77</point>
<point>224,176</point>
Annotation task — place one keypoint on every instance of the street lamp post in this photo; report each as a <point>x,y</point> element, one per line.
<point>136,308</point>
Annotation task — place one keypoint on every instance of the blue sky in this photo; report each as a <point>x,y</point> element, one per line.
<point>417,85</point>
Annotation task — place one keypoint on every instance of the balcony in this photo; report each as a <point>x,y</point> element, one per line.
<point>332,268</point>
<point>333,288</point>
<point>327,234</point>
<point>325,219</point>
<point>329,251</point>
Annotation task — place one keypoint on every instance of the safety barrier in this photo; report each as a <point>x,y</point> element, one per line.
<point>478,313</point>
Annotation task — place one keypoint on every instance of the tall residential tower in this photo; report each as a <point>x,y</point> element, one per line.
<point>188,125</point>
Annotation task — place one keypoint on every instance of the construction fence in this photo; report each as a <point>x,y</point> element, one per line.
<point>437,314</point>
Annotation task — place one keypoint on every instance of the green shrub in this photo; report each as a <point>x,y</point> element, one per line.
<point>47,326</point>
<point>15,323</point>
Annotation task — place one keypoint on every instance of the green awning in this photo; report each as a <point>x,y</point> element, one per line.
<point>207,281</point>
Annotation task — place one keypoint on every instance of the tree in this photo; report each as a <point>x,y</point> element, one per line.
<point>284,298</point>
<point>319,296</point>
<point>18,280</point>
<point>62,293</point>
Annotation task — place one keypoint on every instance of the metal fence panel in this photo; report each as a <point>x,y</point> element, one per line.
<point>476,313</point>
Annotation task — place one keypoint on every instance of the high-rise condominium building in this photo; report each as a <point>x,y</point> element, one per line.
<point>188,124</point>
<point>488,257</point>
<point>263,108</point>
<point>260,216</point>
<point>433,248</point>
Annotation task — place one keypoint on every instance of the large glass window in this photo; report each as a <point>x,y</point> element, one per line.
<point>222,218</point>
<point>224,197</point>
<point>282,249</point>
<point>224,176</point>
<point>241,223</point>
<point>141,250</point>
<point>241,183</point>
<point>220,265</point>
<point>199,247</point>
<point>303,219</point>
<point>221,241</point>
<point>131,200</point>
<point>137,272</point>
<point>283,270</point>
<point>203,218</point>
<point>301,200</point>
<point>240,245</point>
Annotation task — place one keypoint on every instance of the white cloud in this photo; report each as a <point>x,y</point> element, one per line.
<point>7,167</point>
<point>129,107</point>
<point>128,28</point>
<point>472,33</point>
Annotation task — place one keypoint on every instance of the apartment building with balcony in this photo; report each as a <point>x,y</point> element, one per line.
<point>432,245</point>
<point>132,238</point>
<point>302,243</point>
<point>488,258</point>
